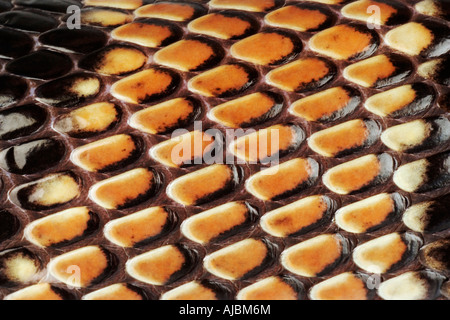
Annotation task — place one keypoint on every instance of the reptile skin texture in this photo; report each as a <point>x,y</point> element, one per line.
<point>316,166</point>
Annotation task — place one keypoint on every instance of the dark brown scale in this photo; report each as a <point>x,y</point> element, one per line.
<point>436,255</point>
<point>32,157</point>
<point>14,43</point>
<point>5,5</point>
<point>12,89</point>
<point>445,289</point>
<point>49,5</point>
<point>437,173</point>
<point>436,217</point>
<point>441,73</point>
<point>84,40</point>
<point>401,16</point>
<point>9,225</point>
<point>444,9</point>
<point>28,21</point>
<point>444,102</point>
<point>42,64</point>
<point>62,293</point>
<point>59,93</point>
<point>21,121</point>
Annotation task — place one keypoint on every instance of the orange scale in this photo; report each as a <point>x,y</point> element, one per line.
<point>223,81</point>
<point>224,25</point>
<point>163,265</point>
<point>180,11</point>
<point>359,174</point>
<point>192,54</point>
<point>120,4</point>
<point>148,33</point>
<point>149,85</point>
<point>166,116</point>
<point>346,286</point>
<point>379,71</point>
<point>249,110</point>
<point>345,138</point>
<point>300,17</point>
<point>126,189</point>
<point>316,256</point>
<point>272,288</point>
<point>203,185</point>
<point>105,17</point>
<point>92,263</point>
<point>107,154</point>
<point>386,253</point>
<point>184,150</point>
<point>390,13</point>
<point>118,291</point>
<point>62,228</point>
<point>328,105</point>
<point>283,180</point>
<point>260,146</point>
<point>302,75</point>
<point>240,260</point>
<point>140,228</point>
<point>345,42</point>
<point>267,48</point>
<point>246,5</point>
